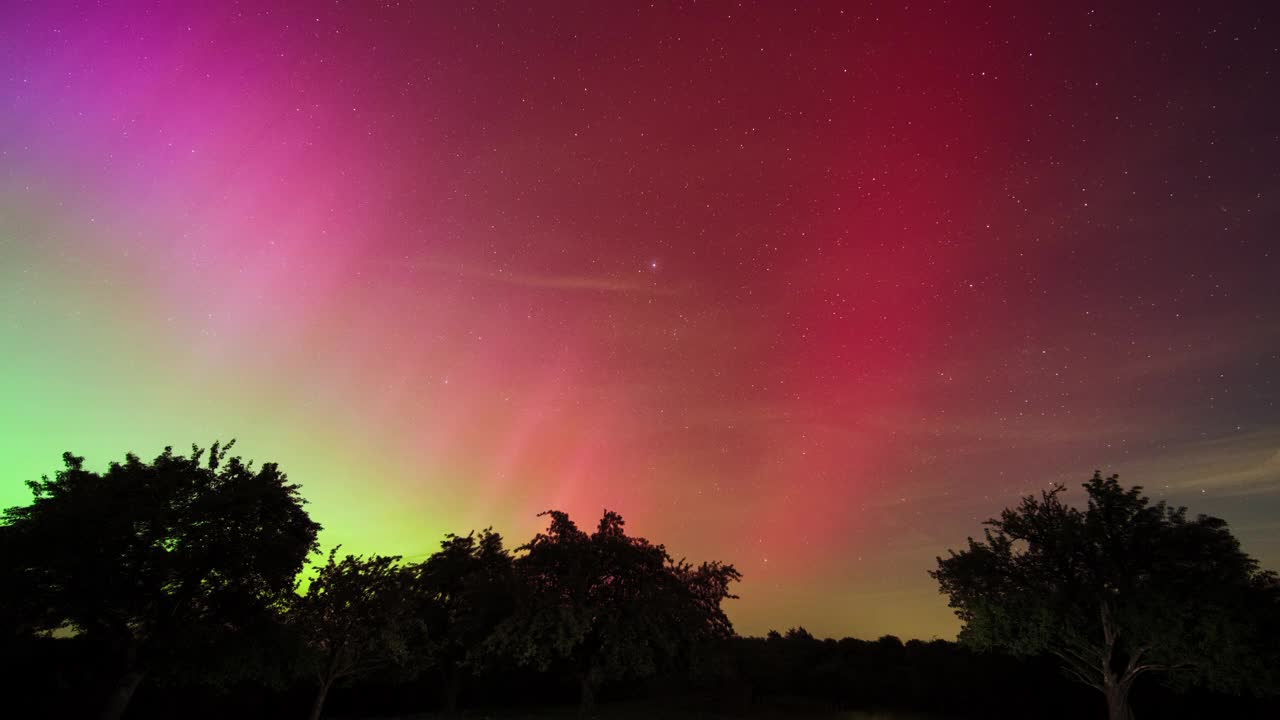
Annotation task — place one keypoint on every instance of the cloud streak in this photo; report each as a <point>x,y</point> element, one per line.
<point>603,283</point>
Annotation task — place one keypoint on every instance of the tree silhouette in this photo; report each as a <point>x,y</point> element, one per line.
<point>799,634</point>
<point>465,590</point>
<point>146,556</point>
<point>22,613</point>
<point>354,618</point>
<point>1121,589</point>
<point>606,605</point>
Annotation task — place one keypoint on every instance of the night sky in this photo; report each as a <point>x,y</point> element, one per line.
<point>809,288</point>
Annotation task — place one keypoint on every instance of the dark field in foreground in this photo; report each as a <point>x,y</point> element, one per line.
<point>644,712</point>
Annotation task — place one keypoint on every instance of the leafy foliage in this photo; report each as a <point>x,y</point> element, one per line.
<point>147,558</point>
<point>606,605</point>
<point>464,591</point>
<point>355,617</point>
<point>1123,588</point>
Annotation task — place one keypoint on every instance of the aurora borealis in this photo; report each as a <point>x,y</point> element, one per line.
<point>811,289</point>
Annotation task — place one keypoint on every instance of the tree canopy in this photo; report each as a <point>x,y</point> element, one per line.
<point>1120,589</point>
<point>607,605</point>
<point>464,591</point>
<point>144,557</point>
<point>356,616</point>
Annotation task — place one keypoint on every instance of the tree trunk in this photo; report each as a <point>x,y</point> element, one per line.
<point>122,694</point>
<point>587,700</point>
<point>1118,701</point>
<point>318,706</point>
<point>452,686</point>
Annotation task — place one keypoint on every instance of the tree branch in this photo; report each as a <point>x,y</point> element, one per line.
<point>1077,668</point>
<point>1135,659</point>
<point>1084,651</point>
<point>1160,668</point>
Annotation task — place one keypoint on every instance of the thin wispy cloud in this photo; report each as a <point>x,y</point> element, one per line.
<point>602,283</point>
<point>1241,465</point>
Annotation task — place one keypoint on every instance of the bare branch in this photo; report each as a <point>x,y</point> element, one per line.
<point>1160,668</point>
<point>1077,668</point>
<point>1136,658</point>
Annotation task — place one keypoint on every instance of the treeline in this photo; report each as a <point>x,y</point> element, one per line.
<point>182,571</point>
<point>171,588</point>
<point>790,675</point>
